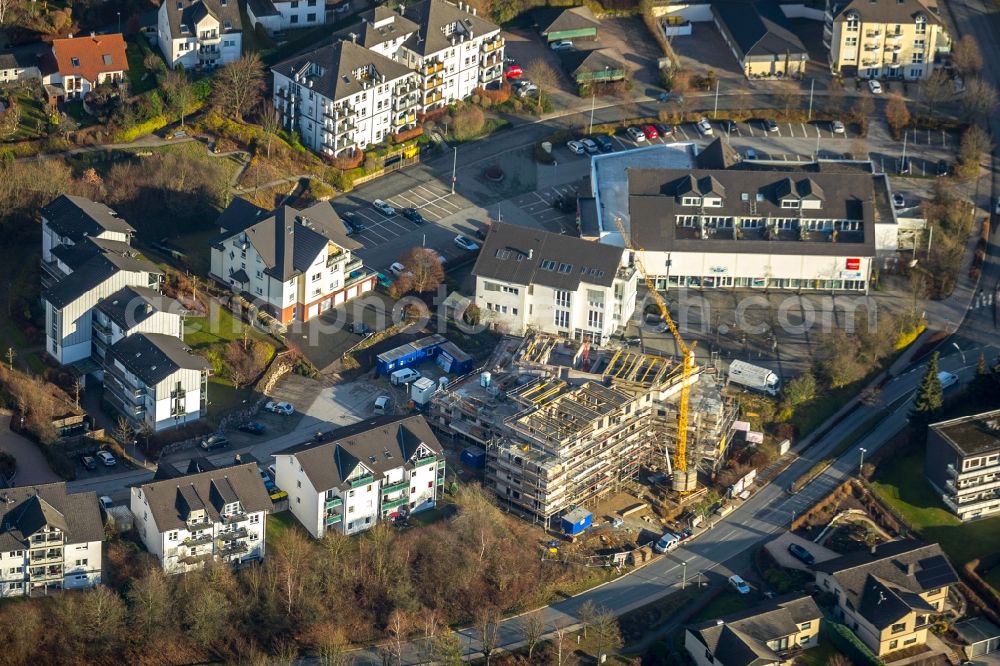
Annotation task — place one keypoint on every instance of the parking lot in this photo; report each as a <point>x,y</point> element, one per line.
<point>541,207</point>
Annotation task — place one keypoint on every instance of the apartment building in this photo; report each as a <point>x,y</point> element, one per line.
<point>67,221</point>
<point>134,310</point>
<point>887,596</point>
<point>360,474</point>
<point>80,64</point>
<point>896,39</point>
<point>199,34</point>
<point>287,14</point>
<point>216,515</point>
<point>154,379</point>
<point>49,540</point>
<point>294,264</point>
<point>343,97</point>
<point>774,633</point>
<point>963,463</point>
<point>529,279</point>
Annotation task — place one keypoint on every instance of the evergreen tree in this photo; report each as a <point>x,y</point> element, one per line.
<point>929,395</point>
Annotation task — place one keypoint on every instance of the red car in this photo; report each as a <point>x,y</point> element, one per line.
<point>513,72</point>
<point>650,132</point>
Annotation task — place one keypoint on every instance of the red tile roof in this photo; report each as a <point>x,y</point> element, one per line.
<point>90,56</point>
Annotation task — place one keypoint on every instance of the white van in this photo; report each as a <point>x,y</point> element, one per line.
<point>947,379</point>
<point>404,376</point>
<point>667,542</point>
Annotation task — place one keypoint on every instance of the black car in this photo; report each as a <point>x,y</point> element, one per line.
<point>88,462</point>
<point>603,142</point>
<point>351,223</point>
<point>801,554</point>
<point>942,168</point>
<point>413,215</point>
<point>252,427</point>
<point>728,126</point>
<point>770,125</point>
<point>215,441</point>
<point>664,130</point>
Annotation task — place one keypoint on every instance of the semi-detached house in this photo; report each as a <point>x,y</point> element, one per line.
<point>80,64</point>
<point>362,473</point>
<point>199,33</point>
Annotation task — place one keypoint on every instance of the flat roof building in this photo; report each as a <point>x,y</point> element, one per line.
<point>963,463</point>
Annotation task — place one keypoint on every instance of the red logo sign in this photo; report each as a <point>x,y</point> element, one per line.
<point>853,264</point>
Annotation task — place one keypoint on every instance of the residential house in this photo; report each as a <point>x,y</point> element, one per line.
<point>134,310</point>
<point>774,633</point>
<point>18,65</point>
<point>362,473</point>
<point>963,463</point>
<point>885,38</point>
<point>294,264</point>
<point>80,64</point>
<point>342,97</point>
<point>760,38</point>
<point>154,379</point>
<point>49,540</point>
<point>199,33</point>
<point>277,16</point>
<point>219,514</point>
<point>532,279</point>
<point>887,596</point>
<point>68,221</point>
<point>556,24</point>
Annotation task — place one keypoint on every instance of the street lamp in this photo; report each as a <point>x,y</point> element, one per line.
<point>861,462</point>
<point>962,353</point>
<point>119,21</point>
<point>684,578</point>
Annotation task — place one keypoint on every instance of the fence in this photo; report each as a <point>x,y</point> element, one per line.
<point>395,166</point>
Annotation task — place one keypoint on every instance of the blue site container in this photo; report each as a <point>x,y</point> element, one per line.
<point>474,456</point>
<point>577,521</point>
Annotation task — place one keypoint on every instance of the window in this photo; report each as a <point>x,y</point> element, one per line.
<point>562,298</point>
<point>298,484</point>
<point>81,563</point>
<point>851,41</point>
<point>789,203</point>
<point>295,17</point>
<point>548,265</point>
<point>690,201</point>
<point>919,44</point>
<point>921,25</point>
<point>171,536</point>
<point>16,570</point>
<point>853,23</point>
<point>893,645</point>
<point>350,493</point>
<point>561,319</point>
<point>899,627</point>
<point>75,61</point>
<point>806,625</point>
<point>595,319</point>
<point>316,278</point>
<point>917,59</point>
<point>350,509</point>
<point>255,519</point>
<point>311,17</point>
<point>910,641</point>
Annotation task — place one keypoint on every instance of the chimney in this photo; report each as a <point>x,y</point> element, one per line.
<point>911,568</point>
<point>531,254</point>
<point>873,549</point>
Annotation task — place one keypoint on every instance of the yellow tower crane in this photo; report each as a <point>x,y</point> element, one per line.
<point>684,480</point>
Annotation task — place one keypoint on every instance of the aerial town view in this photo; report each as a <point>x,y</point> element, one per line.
<point>500,332</point>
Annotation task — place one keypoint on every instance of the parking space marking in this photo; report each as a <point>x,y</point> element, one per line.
<point>681,128</point>
<point>620,142</point>
<point>750,128</point>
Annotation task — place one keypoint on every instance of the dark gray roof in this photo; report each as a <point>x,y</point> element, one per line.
<point>262,8</point>
<point>289,240</point>
<point>887,11</point>
<point>76,217</point>
<point>130,306</point>
<point>972,435</point>
<point>883,603</point>
<point>434,17</point>
<point>382,24</point>
<point>18,58</point>
<point>717,155</point>
<point>152,357</point>
<point>741,639</point>
<point>189,12</point>
<point>379,444</point>
<point>333,69</point>
<point>596,60</point>
<point>655,202</point>
<point>556,19</point>
<point>26,509</point>
<point>522,255</point>
<point>239,215</point>
<point>108,258</point>
<point>903,567</point>
<point>170,500</point>
<point>758,27</point>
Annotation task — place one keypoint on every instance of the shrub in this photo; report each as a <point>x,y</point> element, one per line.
<point>406,135</point>
<point>468,123</point>
<point>142,129</point>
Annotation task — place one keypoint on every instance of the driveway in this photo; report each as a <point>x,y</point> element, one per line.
<point>779,551</point>
<point>630,40</point>
<point>32,468</point>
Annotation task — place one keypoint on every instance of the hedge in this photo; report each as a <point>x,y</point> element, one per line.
<point>844,640</point>
<point>142,129</point>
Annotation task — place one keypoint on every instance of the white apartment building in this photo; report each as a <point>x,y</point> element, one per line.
<point>67,221</point>
<point>49,540</point>
<point>362,473</point>
<point>532,279</point>
<point>134,310</point>
<point>343,97</point>
<point>963,464</point>
<point>155,379</point>
<point>218,515</point>
<point>276,16</point>
<point>294,264</point>
<point>199,33</point>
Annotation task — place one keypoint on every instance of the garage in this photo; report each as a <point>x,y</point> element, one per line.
<point>980,636</point>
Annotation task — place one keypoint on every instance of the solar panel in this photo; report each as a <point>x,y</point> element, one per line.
<point>935,572</point>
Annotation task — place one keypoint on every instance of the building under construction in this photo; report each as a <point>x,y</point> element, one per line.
<point>564,424</point>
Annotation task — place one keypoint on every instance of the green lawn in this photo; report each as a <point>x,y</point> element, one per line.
<point>900,482</point>
<point>278,524</point>
<point>34,118</point>
<point>727,603</point>
<point>817,656</point>
<point>219,327</point>
<point>140,79</point>
<point>223,397</point>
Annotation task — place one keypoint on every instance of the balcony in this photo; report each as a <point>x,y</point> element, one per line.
<point>189,560</point>
<point>209,53</point>
<point>45,557</point>
<point>407,119</point>
<point>493,45</point>
<point>333,519</point>
<point>873,33</point>
<point>870,63</point>
<point>389,505</point>
<point>46,541</point>
<point>425,461</point>
<point>431,68</point>
<point>334,503</point>
<point>362,481</point>
<point>233,535</point>
<point>45,573</point>
<point>433,98</point>
<point>406,102</point>
<point>231,518</point>
<point>234,550</point>
<point>431,84</point>
<point>972,473</point>
<point>893,48</point>
<point>357,276</point>
<point>485,76</point>
<point>354,265</point>
<point>195,541</point>
<point>395,487</point>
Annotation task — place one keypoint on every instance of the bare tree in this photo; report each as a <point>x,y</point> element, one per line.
<point>588,614</point>
<point>966,57</point>
<point>532,626</point>
<point>124,431</point>
<point>239,85</point>
<point>561,645</point>
<point>7,9</point>
<point>543,75</point>
<point>974,144</point>
<point>10,119</point>
<point>180,92</point>
<point>607,633</point>
<point>270,122</point>
<point>425,267</point>
<point>488,627</point>
<point>897,115</point>
<point>978,100</point>
<point>936,89</point>
<point>399,629</point>
<point>862,111</point>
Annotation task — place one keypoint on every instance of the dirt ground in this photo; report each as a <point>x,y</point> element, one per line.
<point>628,37</point>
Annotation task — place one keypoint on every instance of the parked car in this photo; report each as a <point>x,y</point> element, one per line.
<point>513,71</point>
<point>106,502</point>
<point>216,441</point>
<point>404,376</point>
<point>562,45</point>
<point>466,243</point>
<point>530,90</point>
<point>384,208</point>
<point>604,142</point>
<point>898,201</point>
<point>382,405</point>
<point>106,458</point>
<point>875,87</point>
<point>361,329</point>
<point>632,340</point>
<point>89,462</point>
<point>666,543</point>
<point>252,427</point>
<point>704,127</point>
<point>397,268</point>
<point>576,147</point>
<point>413,215</point>
<point>738,584</point>
<point>750,154</point>
<point>728,126</point>
<point>770,125</point>
<point>943,169</point>
<point>837,127</point>
<point>650,132</point>
<point>590,146</point>
<point>351,225</point>
<point>801,554</point>
<point>636,134</point>
<point>664,130</point>
<point>671,97</point>
<point>279,407</point>
<point>564,204</point>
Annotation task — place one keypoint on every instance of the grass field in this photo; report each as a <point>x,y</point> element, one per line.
<point>727,603</point>
<point>278,524</point>
<point>138,80</point>
<point>218,327</point>
<point>817,656</point>
<point>34,119</point>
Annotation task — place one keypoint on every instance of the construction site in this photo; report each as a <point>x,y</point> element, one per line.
<point>566,425</point>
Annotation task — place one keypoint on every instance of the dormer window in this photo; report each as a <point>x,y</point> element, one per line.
<point>853,22</point>
<point>789,203</point>
<point>712,202</point>
<point>921,28</point>
<point>75,62</point>
<point>227,24</point>
<point>691,201</point>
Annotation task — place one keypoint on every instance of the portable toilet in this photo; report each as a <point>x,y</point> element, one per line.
<point>421,391</point>
<point>443,382</point>
<point>576,521</point>
<point>474,456</point>
<point>484,379</point>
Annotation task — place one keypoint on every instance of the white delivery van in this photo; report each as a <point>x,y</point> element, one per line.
<point>403,377</point>
<point>754,377</point>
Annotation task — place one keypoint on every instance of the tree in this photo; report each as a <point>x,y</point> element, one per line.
<point>897,115</point>
<point>66,124</point>
<point>179,91</point>
<point>966,57</point>
<point>543,75</point>
<point>239,85</point>
<point>10,119</point>
<point>270,122</point>
<point>936,89</point>
<point>588,614</point>
<point>532,626</point>
<point>801,389</point>
<point>468,123</point>
<point>929,394</point>
<point>974,144</point>
<point>149,604</point>
<point>425,266</point>
<point>124,431</point>
<point>399,629</point>
<point>978,100</point>
<point>446,649</point>
<point>7,10</point>
<point>862,111</point>
<point>153,63</point>
<point>487,625</point>
<point>607,633</point>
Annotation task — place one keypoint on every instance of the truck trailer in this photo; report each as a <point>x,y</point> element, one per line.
<point>754,377</point>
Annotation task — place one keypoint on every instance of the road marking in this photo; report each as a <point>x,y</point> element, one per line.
<point>729,534</point>
<point>620,142</point>
<point>750,128</point>
<point>684,132</point>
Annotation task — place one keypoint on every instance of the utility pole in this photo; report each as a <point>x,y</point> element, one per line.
<point>684,579</point>
<point>812,87</point>
<point>593,104</point>
<point>861,461</point>
<point>715,113</point>
<point>454,167</point>
<point>930,239</point>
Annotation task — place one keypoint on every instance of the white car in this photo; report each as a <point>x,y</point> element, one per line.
<point>563,45</point>
<point>106,502</point>
<point>106,458</point>
<point>875,87</point>
<point>384,208</point>
<point>667,542</point>
<point>397,268</point>
<point>636,134</point>
<point>279,407</point>
<point>383,405</point>
<point>837,127</point>
<point>576,147</point>
<point>590,146</point>
<point>739,584</point>
<point>466,244</point>
<point>704,127</point>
